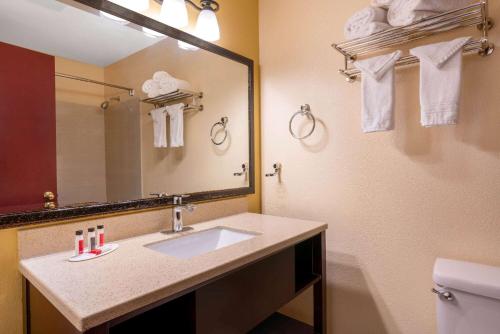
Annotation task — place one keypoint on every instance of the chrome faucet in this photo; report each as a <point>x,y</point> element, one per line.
<point>177,224</point>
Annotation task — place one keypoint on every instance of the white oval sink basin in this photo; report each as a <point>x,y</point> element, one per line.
<point>198,243</point>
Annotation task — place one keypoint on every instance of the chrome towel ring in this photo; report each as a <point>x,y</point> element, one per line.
<point>222,124</point>
<point>305,110</point>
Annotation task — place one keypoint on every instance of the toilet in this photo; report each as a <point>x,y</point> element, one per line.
<point>468,297</point>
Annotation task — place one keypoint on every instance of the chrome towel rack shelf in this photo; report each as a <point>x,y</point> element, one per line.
<point>473,15</point>
<point>177,95</point>
<point>188,107</point>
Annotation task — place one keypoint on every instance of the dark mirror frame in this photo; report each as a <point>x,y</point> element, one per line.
<point>65,213</point>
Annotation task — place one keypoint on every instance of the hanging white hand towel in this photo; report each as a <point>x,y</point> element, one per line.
<point>159,127</point>
<point>378,91</point>
<point>176,113</point>
<point>440,81</point>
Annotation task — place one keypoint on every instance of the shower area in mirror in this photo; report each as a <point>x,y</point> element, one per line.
<point>97,136</point>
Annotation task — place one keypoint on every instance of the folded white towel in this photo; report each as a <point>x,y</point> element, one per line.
<point>440,81</point>
<point>404,12</point>
<point>378,91</point>
<point>176,113</point>
<point>159,127</point>
<point>154,89</point>
<point>381,3</point>
<point>366,22</point>
<point>160,75</point>
<point>147,85</point>
<point>169,85</point>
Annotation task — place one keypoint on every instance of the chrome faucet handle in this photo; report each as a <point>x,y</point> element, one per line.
<point>178,199</point>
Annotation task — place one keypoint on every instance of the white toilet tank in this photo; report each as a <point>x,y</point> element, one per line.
<point>474,304</point>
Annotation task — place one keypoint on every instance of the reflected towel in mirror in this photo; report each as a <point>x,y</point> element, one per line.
<point>159,127</point>
<point>176,113</point>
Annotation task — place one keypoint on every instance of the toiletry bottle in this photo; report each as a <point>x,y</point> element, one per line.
<point>79,244</point>
<point>100,235</point>
<point>91,239</point>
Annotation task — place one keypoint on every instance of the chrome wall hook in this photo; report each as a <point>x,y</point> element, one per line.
<point>277,170</point>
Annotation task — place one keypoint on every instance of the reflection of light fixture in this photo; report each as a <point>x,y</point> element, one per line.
<point>135,5</point>
<point>112,17</point>
<point>186,46</point>
<point>151,33</point>
<point>174,13</point>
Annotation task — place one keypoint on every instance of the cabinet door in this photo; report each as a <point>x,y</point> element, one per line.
<point>27,128</point>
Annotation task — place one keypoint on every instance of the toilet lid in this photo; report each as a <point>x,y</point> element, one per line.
<point>469,277</point>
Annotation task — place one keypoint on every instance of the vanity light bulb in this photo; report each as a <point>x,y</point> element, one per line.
<point>174,13</point>
<point>207,26</point>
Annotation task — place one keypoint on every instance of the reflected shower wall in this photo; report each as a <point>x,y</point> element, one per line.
<point>81,170</point>
<point>123,150</point>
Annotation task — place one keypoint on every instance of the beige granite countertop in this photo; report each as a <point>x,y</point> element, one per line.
<point>93,292</point>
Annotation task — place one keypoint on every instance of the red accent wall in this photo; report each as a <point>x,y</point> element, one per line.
<point>27,127</point>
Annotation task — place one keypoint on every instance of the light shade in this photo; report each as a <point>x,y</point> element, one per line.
<point>207,26</point>
<point>174,13</point>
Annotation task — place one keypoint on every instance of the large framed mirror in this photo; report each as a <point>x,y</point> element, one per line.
<point>103,109</point>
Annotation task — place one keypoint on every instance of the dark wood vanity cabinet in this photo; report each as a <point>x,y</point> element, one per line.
<point>244,300</point>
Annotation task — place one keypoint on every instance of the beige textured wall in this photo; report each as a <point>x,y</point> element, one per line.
<point>199,165</point>
<point>394,201</point>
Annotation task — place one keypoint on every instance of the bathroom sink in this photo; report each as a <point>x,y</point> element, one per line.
<point>198,243</point>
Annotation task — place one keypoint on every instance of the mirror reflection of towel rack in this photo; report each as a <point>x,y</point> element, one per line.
<point>188,107</point>
<point>180,94</point>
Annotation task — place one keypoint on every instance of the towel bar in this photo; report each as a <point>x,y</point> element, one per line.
<point>472,15</point>
<point>482,48</point>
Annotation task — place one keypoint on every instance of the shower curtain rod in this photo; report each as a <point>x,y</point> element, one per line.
<point>131,91</point>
